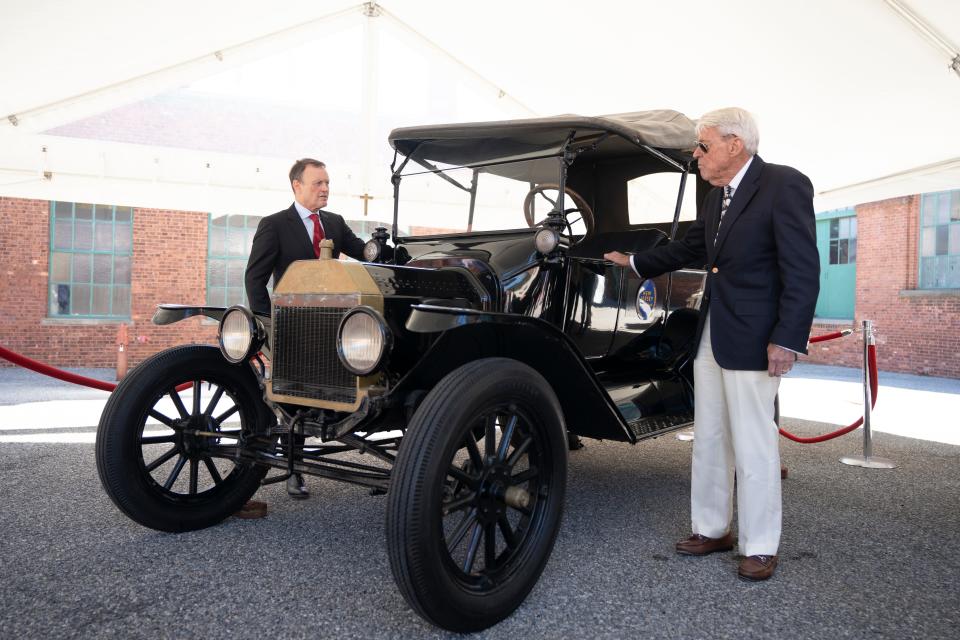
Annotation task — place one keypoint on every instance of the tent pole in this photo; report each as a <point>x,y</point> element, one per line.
<point>929,33</point>
<point>371,63</point>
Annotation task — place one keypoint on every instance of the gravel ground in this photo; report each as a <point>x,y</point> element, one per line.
<point>865,554</point>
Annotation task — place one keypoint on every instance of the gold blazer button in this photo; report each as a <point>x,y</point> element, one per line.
<point>715,270</point>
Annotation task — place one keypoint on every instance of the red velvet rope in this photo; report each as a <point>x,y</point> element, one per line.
<point>53,372</point>
<point>827,336</point>
<point>60,374</point>
<point>872,367</point>
<point>66,376</point>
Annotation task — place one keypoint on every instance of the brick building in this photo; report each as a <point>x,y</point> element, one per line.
<point>907,282</point>
<point>74,273</point>
<point>167,263</point>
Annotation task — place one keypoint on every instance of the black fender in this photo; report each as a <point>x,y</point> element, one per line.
<point>171,313</point>
<point>469,334</point>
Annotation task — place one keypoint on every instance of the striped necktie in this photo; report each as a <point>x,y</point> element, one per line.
<point>727,197</point>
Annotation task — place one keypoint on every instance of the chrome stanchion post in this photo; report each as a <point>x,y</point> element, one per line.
<point>867,459</point>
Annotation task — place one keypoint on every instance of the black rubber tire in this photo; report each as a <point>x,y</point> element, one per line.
<point>421,559</point>
<point>120,450</point>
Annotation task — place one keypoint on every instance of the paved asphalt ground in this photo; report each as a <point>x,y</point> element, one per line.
<point>865,553</point>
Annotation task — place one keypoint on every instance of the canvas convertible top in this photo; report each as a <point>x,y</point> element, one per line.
<point>473,143</point>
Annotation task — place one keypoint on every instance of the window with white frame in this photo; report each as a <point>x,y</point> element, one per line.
<point>940,240</point>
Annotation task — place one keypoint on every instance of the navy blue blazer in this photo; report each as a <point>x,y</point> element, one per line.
<point>763,273</point>
<point>282,238</point>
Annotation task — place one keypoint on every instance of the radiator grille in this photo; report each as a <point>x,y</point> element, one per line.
<point>305,360</point>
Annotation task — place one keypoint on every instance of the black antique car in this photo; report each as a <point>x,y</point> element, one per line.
<point>454,375</point>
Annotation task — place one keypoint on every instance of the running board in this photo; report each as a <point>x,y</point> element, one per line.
<point>644,428</point>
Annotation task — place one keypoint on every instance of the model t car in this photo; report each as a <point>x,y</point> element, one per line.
<point>454,374</point>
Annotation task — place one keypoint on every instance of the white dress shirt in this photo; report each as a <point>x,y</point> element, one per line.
<point>739,177</point>
<point>307,222</point>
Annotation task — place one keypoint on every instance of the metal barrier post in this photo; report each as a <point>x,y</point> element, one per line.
<point>867,459</point>
<point>121,341</point>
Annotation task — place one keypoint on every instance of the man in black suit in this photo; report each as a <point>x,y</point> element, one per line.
<point>295,234</point>
<point>757,239</point>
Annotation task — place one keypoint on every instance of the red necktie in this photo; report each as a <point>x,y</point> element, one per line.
<point>317,234</point>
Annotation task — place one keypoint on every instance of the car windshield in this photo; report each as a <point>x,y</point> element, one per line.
<point>436,198</point>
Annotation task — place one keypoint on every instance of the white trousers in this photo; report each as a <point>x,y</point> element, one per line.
<point>734,430</point>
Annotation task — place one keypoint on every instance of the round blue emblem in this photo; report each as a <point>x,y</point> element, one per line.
<point>646,299</point>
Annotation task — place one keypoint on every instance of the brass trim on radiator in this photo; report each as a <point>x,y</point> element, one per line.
<point>326,283</point>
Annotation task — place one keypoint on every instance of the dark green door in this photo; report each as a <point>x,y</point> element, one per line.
<point>837,243</point>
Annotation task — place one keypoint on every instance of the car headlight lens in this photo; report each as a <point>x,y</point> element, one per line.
<point>547,240</point>
<point>371,251</point>
<point>239,334</point>
<point>363,340</point>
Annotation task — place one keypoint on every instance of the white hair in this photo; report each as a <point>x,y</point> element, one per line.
<point>735,121</point>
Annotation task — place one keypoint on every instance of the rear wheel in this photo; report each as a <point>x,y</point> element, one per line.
<point>471,521</point>
<point>169,435</point>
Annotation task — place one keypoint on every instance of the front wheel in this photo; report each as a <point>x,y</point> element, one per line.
<point>169,435</point>
<point>471,521</point>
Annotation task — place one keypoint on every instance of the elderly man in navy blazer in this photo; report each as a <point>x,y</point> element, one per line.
<point>757,239</point>
<point>295,234</point>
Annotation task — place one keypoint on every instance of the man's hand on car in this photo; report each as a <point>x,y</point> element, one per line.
<point>617,258</point>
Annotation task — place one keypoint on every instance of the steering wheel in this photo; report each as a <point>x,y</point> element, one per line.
<point>580,207</point>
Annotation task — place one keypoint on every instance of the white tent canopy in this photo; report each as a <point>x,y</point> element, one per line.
<point>203,105</point>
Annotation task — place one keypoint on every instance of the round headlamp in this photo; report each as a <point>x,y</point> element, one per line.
<point>240,335</point>
<point>363,341</point>
<point>547,240</point>
<point>371,251</point>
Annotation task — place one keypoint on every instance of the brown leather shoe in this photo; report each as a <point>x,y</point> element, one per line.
<point>698,545</point>
<point>757,567</point>
<point>252,509</point>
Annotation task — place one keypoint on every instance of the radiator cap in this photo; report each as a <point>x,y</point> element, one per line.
<point>326,249</point>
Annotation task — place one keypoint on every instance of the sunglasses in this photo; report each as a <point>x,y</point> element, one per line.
<point>703,146</point>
